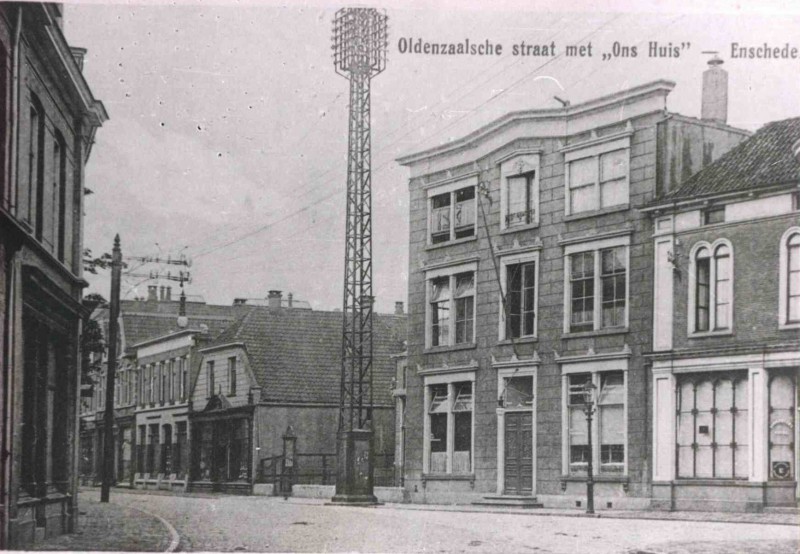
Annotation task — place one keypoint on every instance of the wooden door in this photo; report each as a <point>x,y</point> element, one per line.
<point>518,454</point>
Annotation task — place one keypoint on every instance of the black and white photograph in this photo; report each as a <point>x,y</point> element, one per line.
<point>420,276</point>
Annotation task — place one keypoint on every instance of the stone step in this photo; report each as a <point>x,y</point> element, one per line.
<point>782,510</point>
<point>510,501</point>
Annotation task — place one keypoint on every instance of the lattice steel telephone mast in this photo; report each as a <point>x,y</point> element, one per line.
<point>359,46</point>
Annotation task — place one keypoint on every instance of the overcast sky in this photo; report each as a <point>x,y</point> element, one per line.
<point>228,130</point>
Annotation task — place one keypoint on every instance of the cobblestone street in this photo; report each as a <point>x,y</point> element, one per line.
<point>228,523</point>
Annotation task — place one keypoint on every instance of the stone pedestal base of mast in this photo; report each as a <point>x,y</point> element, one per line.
<point>354,469</point>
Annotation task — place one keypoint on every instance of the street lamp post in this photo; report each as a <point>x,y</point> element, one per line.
<point>589,408</point>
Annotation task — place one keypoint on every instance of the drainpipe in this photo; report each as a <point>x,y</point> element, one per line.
<point>15,103</point>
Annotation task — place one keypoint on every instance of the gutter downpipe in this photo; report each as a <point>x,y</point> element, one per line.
<point>8,366</point>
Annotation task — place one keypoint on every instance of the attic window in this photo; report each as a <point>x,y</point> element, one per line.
<point>714,215</point>
<point>796,201</point>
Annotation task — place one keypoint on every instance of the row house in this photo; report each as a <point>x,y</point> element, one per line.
<point>726,330</point>
<point>276,369</point>
<point>531,277</point>
<point>48,118</point>
<point>156,346</point>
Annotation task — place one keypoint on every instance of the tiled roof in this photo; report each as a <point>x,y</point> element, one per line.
<point>762,160</point>
<point>143,320</point>
<point>295,355</point>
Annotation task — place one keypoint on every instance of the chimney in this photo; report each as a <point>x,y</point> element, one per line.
<point>162,293</point>
<point>274,299</point>
<point>168,294</point>
<point>239,301</point>
<point>796,150</point>
<point>715,92</point>
<point>183,321</point>
<point>289,299</point>
<point>152,293</point>
<point>398,308</point>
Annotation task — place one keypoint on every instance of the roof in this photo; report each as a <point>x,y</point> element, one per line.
<point>295,355</point>
<point>761,161</point>
<point>146,320</point>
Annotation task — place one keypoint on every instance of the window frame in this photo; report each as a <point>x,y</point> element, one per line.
<point>783,282</point>
<point>595,370</point>
<point>520,166</point>
<point>713,282</point>
<point>232,375</point>
<point>596,247</point>
<point>452,189</point>
<point>505,263</point>
<point>451,273</point>
<point>596,150</point>
<point>451,380</point>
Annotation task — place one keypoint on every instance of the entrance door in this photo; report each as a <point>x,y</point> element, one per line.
<point>518,453</point>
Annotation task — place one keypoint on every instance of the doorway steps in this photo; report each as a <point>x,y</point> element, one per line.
<point>509,501</point>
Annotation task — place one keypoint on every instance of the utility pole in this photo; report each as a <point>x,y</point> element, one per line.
<point>359,53</point>
<point>113,316</point>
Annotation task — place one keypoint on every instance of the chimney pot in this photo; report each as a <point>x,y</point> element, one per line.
<point>169,294</point>
<point>289,298</point>
<point>152,293</point>
<point>274,299</point>
<point>715,92</point>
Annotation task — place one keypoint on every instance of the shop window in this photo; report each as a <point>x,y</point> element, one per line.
<point>452,215</point>
<point>712,426</point>
<point>711,286</point>
<point>782,395</point>
<point>450,421</point>
<point>609,431</point>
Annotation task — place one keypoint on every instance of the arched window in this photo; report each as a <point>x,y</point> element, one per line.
<point>711,288</point>
<point>789,294</point>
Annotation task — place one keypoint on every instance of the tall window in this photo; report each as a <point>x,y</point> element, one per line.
<point>451,294</point>
<point>232,376</point>
<point>608,433</point>
<point>452,215</point>
<point>210,377</point>
<point>782,395</point>
<point>598,181</point>
<point>603,271</point>
<point>711,282</point>
<point>450,407</point>
<point>520,208</point>
<point>712,426</point>
<point>184,378</point>
<point>36,166</point>
<point>60,195</point>
<point>520,311</point>
<point>789,293</point>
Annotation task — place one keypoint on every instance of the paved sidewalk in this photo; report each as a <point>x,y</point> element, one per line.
<point>110,527</point>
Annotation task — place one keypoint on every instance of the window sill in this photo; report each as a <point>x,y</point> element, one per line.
<point>448,477</point>
<point>450,243</point>
<point>520,340</point>
<point>517,228</point>
<point>597,333</point>
<point>706,334</point>
<point>453,348</point>
<point>596,213</point>
<point>596,478</point>
<point>788,326</point>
